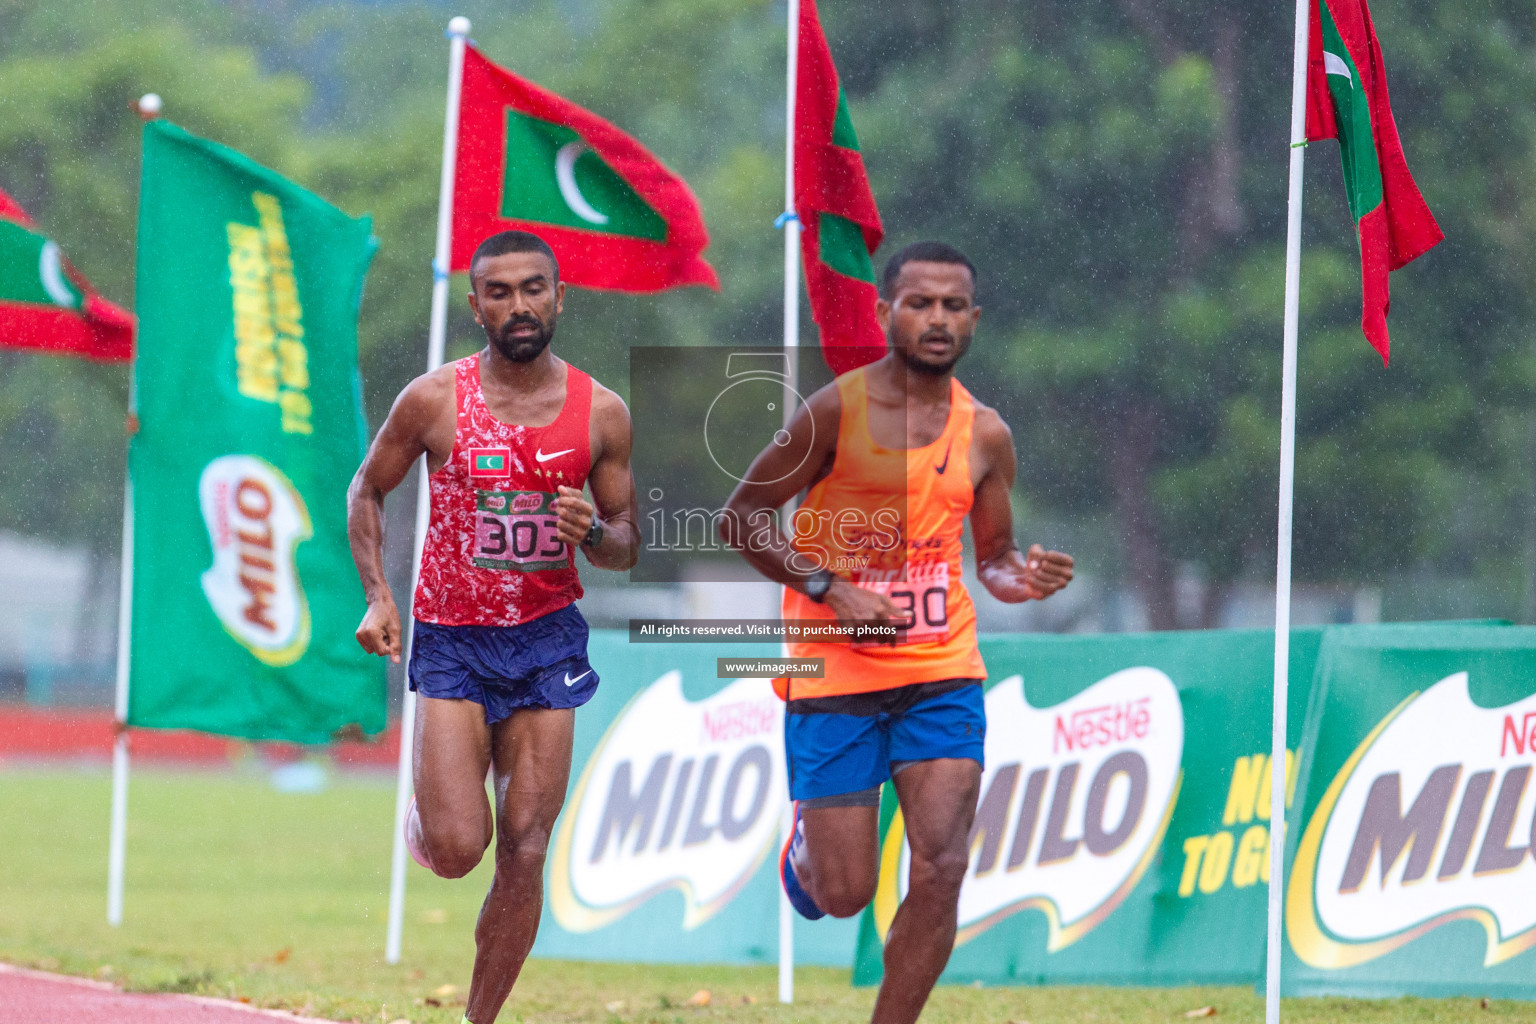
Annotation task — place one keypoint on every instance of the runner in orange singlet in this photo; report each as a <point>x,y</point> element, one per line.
<point>896,455</point>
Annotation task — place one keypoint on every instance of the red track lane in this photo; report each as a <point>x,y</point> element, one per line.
<point>65,733</point>
<point>33,997</point>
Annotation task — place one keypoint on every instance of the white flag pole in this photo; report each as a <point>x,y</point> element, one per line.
<point>117,846</point>
<point>1278,774</point>
<point>458,34</point>
<point>148,107</point>
<point>791,225</point>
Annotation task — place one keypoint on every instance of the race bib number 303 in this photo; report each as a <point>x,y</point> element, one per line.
<point>923,598</point>
<point>518,530</point>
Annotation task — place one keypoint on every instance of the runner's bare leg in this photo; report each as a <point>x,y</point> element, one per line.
<point>451,755</point>
<point>938,803</point>
<point>840,865</point>
<point>531,752</point>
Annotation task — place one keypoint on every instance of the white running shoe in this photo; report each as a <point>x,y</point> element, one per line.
<point>417,853</point>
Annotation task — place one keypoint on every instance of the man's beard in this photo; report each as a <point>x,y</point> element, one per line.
<point>524,349</point>
<point>916,364</point>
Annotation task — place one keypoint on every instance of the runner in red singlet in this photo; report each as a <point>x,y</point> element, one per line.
<point>895,456</point>
<point>498,650</point>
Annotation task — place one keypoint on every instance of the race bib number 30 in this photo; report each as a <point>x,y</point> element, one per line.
<point>518,530</point>
<point>923,598</point>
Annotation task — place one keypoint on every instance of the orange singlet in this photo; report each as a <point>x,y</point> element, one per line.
<point>854,522</point>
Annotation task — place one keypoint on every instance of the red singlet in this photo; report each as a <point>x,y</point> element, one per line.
<point>493,554</point>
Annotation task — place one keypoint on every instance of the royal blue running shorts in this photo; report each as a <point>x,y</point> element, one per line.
<point>841,749</point>
<point>537,664</point>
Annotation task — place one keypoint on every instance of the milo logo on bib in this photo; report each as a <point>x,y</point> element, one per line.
<point>256,520</point>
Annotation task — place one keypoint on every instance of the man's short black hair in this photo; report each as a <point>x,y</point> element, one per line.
<point>922,252</point>
<point>504,242</point>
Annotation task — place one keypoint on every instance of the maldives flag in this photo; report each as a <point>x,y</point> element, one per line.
<point>840,225</point>
<point>45,305</point>
<point>533,161</point>
<point>1347,100</point>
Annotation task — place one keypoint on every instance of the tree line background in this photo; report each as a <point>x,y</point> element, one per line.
<point>1116,169</point>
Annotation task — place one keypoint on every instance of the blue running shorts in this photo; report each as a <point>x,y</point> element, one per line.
<point>841,749</point>
<point>541,663</point>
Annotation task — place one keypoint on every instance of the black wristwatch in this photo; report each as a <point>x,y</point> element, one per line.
<point>817,584</point>
<point>594,536</point>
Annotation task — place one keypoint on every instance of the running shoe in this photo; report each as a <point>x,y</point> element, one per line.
<point>417,853</point>
<point>798,897</point>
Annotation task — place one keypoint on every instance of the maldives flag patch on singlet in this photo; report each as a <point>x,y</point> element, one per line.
<point>490,463</point>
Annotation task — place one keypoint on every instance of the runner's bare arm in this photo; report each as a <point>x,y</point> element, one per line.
<point>613,490</point>
<point>749,525</point>
<point>414,427</point>
<point>1007,574</point>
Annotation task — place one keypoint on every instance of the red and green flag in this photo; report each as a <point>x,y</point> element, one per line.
<point>530,160</point>
<point>1347,100</point>
<point>840,224</point>
<point>46,305</point>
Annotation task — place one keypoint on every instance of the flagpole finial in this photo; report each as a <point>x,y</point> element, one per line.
<point>459,26</point>
<point>148,106</point>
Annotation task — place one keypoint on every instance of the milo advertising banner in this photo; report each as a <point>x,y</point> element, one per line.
<point>1121,836</point>
<point>667,850</point>
<point>244,596</point>
<point>1121,833</point>
<point>1415,870</point>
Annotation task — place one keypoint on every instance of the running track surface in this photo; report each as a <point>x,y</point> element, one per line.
<point>33,997</point>
<point>73,733</point>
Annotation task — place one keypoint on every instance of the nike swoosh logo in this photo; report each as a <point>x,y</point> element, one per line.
<point>552,455</point>
<point>941,467</point>
<point>570,682</point>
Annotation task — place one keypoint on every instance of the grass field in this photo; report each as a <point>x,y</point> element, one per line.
<point>236,890</point>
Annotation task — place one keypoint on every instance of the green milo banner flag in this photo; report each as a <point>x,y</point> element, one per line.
<point>244,595</point>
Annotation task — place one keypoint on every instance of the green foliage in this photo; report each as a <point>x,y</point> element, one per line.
<point>1119,174</point>
<point>69,147</point>
<point>1117,171</point>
